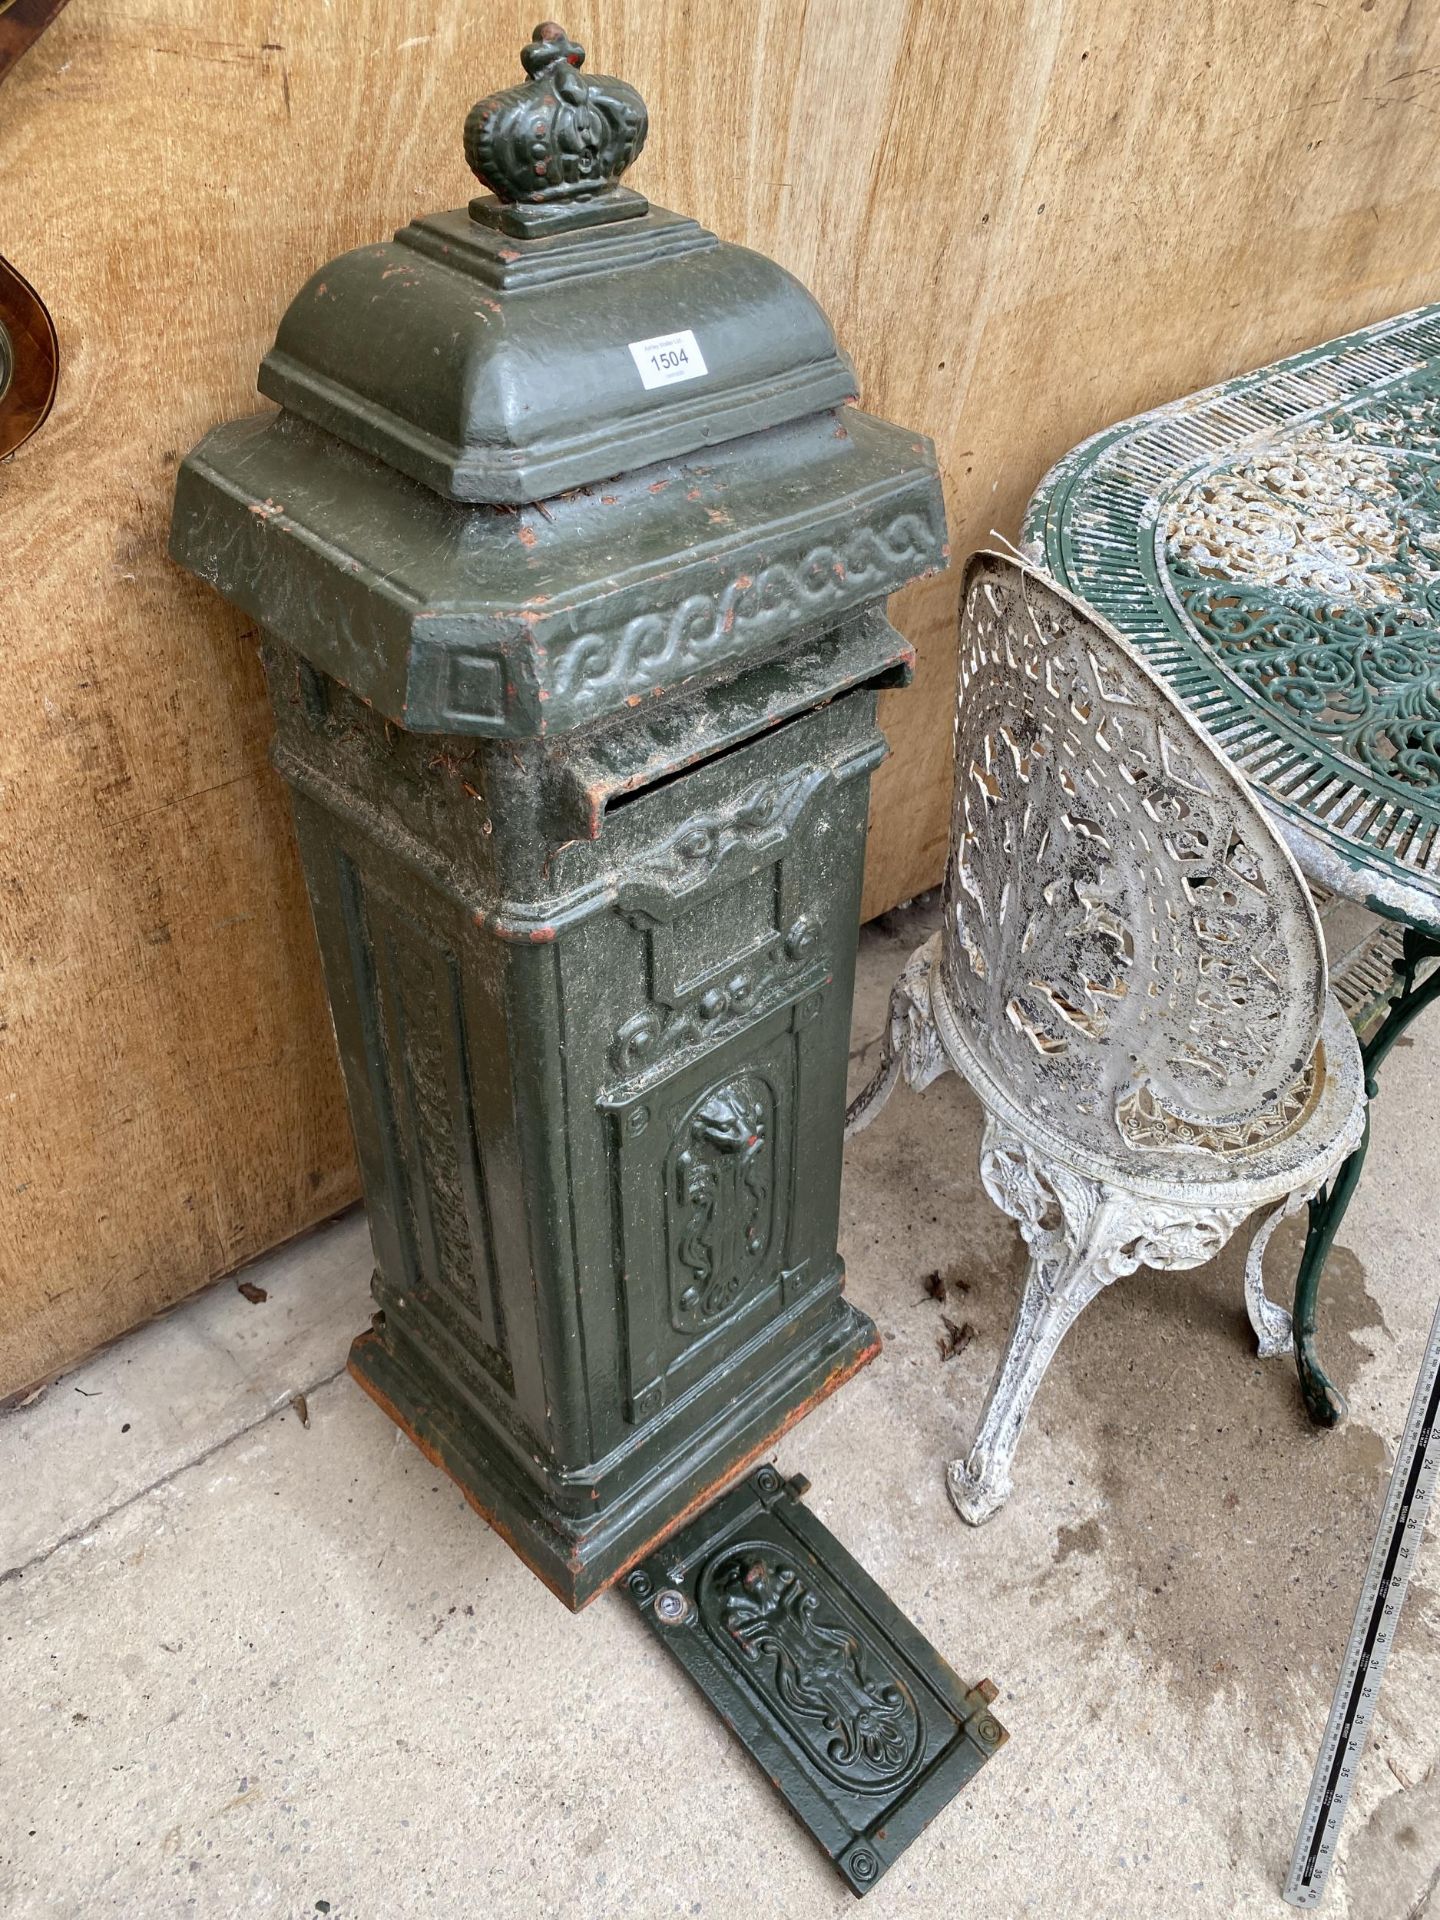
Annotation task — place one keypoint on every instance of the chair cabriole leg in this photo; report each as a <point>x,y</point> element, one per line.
<point>910,1044</point>
<point>1082,1234</point>
<point>1055,1293</point>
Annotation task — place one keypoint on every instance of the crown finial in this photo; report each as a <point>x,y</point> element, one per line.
<point>563,137</point>
<point>549,43</point>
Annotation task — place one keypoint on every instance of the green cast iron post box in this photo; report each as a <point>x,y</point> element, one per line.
<point>570,559</point>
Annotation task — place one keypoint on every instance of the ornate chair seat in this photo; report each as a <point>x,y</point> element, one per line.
<point>1130,975</point>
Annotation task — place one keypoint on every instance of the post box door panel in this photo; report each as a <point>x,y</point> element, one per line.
<point>705,1179</point>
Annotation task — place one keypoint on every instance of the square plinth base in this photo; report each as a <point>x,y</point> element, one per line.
<point>578,1562</point>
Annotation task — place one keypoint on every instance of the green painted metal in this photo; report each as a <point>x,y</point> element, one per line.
<point>1272,546</point>
<point>557,146</point>
<point>1410,996</point>
<point>1265,544</point>
<point>535,620</point>
<point>1338,529</point>
<point>558,1047</point>
<point>854,1717</point>
<point>517,381</point>
<point>487,352</point>
<point>581,785</point>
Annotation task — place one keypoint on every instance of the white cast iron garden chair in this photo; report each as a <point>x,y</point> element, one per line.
<point>1130,975</point>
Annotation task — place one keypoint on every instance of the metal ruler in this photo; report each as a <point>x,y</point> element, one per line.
<point>1392,1561</point>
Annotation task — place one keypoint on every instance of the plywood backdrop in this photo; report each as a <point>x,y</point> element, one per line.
<point>1026,218</point>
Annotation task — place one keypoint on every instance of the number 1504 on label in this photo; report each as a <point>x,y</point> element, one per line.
<point>668,359</point>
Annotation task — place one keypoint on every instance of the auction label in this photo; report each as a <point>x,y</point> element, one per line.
<point>668,359</point>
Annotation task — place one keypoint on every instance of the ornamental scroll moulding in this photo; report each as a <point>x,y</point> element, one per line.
<point>721,1187</point>
<point>855,1719</point>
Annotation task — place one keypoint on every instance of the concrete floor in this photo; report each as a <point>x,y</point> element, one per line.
<point>254,1667</point>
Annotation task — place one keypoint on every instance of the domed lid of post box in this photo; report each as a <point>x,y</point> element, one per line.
<point>560,453</point>
<point>562,330</point>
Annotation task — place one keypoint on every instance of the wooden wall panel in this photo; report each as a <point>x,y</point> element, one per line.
<point>1026,217</point>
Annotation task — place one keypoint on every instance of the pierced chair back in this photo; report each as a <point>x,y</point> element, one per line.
<point>1131,961</point>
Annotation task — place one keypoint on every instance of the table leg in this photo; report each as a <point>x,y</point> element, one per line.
<point>1324,1401</point>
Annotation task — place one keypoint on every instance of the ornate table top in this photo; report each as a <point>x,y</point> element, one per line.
<point>1272,547</point>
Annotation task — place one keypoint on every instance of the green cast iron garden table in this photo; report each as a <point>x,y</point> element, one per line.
<point>1272,548</point>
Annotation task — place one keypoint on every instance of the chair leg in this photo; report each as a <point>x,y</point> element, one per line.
<point>1271,1321</point>
<point>1082,1235</point>
<point>1276,1329</point>
<point>1323,1400</point>
<point>909,1045</point>
<point>1054,1295</point>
